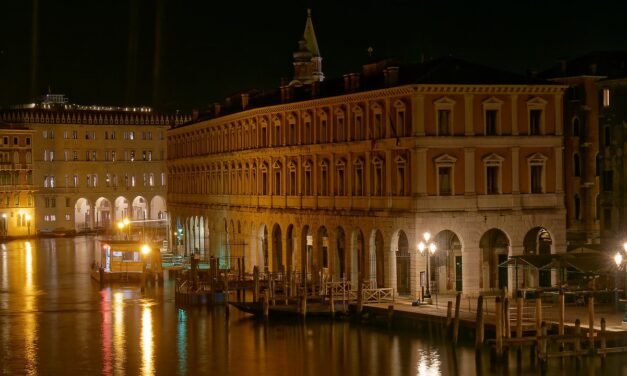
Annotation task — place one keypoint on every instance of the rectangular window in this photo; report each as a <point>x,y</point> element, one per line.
<point>492,180</point>
<point>606,97</point>
<point>535,119</point>
<point>75,135</point>
<point>444,118</point>
<point>67,217</point>
<point>74,155</point>
<point>536,179</point>
<point>491,117</point>
<point>67,202</point>
<point>444,179</point>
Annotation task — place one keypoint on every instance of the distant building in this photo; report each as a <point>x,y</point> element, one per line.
<point>94,165</point>
<point>594,121</point>
<point>341,177</point>
<point>17,200</point>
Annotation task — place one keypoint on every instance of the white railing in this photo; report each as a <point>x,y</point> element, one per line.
<point>378,295</point>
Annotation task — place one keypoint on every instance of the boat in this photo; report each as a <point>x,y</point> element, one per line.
<point>125,261</point>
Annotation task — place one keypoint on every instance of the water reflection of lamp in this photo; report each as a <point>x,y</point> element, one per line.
<point>28,218</point>
<point>4,225</point>
<point>422,246</point>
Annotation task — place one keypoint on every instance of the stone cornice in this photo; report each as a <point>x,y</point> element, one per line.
<point>370,95</point>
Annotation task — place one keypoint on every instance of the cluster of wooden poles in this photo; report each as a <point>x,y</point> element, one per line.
<point>568,344</point>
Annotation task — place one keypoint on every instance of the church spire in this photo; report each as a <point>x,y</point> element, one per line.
<point>310,36</point>
<point>307,59</point>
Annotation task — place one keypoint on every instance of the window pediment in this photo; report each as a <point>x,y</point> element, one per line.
<point>276,164</point>
<point>340,163</point>
<point>493,158</point>
<point>445,159</point>
<point>444,101</point>
<point>536,102</point>
<point>399,104</point>
<point>358,162</point>
<point>400,160</point>
<point>537,158</point>
<point>377,160</point>
<point>324,163</point>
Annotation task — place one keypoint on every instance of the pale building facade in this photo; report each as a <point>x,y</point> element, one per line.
<point>93,167</point>
<point>17,191</point>
<point>348,183</point>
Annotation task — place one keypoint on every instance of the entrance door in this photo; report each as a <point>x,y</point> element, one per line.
<point>402,272</point>
<point>458,273</point>
<point>502,272</point>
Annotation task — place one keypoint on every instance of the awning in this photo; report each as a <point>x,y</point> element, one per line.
<point>586,263</point>
<point>535,261</point>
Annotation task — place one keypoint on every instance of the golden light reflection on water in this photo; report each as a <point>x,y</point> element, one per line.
<point>428,362</point>
<point>30,322</point>
<point>119,341</point>
<point>147,344</point>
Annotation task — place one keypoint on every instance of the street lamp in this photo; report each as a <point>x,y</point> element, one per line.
<point>431,247</point>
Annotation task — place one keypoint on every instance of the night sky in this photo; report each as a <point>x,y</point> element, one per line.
<point>174,54</point>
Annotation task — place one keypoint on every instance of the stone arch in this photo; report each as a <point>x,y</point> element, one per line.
<point>121,208</point>
<point>321,260</point>
<point>289,247</point>
<point>82,215</point>
<point>447,263</point>
<point>494,246</point>
<point>140,208</point>
<point>376,269</point>
<point>262,249</point>
<point>102,213</point>
<point>277,249</point>
<point>306,254</point>
<point>157,208</point>
<point>537,241</point>
<point>402,262</point>
<point>356,259</point>
<point>339,256</point>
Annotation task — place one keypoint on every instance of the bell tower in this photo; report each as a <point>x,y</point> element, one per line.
<point>307,59</point>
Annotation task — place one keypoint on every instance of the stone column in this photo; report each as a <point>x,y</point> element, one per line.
<point>468,116</point>
<point>514,99</point>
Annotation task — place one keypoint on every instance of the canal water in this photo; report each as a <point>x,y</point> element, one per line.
<point>54,320</point>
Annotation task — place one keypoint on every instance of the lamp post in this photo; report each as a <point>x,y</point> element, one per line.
<point>618,259</point>
<point>430,248</point>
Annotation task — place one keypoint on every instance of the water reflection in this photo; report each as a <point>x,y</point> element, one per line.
<point>29,325</point>
<point>147,344</point>
<point>61,322</point>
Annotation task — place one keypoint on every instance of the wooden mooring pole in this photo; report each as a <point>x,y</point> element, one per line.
<point>449,314</point>
<point>603,340</point>
<point>479,331</point>
<point>499,326</point>
<point>591,321</point>
<point>458,300</point>
<point>519,314</point>
<point>538,313</point>
<point>506,324</point>
<point>390,315</point>
<point>255,284</point>
<point>578,337</point>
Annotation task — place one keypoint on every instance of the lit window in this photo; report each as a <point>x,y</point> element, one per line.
<point>492,164</point>
<point>537,164</point>
<point>445,166</point>
<point>606,97</point>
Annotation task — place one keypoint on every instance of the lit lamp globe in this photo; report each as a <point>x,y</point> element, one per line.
<point>618,259</point>
<point>145,249</point>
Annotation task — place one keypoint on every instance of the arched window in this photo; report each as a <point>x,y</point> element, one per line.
<point>577,208</point>
<point>576,165</point>
<point>324,178</point>
<point>576,127</point>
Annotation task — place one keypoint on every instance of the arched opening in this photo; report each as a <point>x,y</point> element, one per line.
<point>263,248</point>
<point>277,249</point>
<point>157,208</point>
<point>446,263</point>
<point>306,256</point>
<point>356,260</point>
<point>375,260</point>
<point>103,214</point>
<point>322,257</point>
<point>494,246</point>
<point>121,209</point>
<point>339,267</point>
<point>403,263</point>
<point>82,220</point>
<point>289,247</point>
<point>140,208</point>
<point>537,241</point>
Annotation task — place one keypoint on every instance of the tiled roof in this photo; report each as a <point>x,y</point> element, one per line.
<point>610,64</point>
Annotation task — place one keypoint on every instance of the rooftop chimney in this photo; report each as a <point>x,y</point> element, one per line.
<point>315,89</point>
<point>391,76</point>
<point>217,107</point>
<point>245,100</point>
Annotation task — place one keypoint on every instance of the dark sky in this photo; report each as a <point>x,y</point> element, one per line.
<point>180,54</point>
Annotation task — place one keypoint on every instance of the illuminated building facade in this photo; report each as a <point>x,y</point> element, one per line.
<point>16,181</point>
<point>594,117</point>
<point>93,166</point>
<point>343,177</point>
